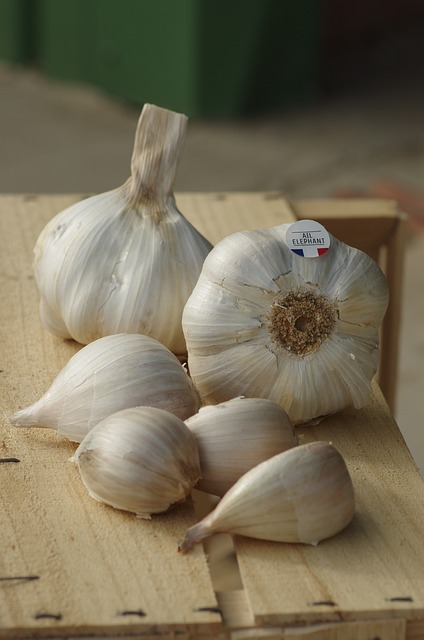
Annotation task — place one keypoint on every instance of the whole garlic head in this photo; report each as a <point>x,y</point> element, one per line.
<point>265,322</point>
<point>142,460</point>
<point>112,373</point>
<point>124,261</point>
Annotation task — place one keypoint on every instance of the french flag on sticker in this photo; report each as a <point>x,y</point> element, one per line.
<point>310,252</point>
<point>308,239</point>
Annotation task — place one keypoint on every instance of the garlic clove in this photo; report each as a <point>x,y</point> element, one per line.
<point>234,436</point>
<point>304,494</point>
<point>124,261</point>
<point>112,373</point>
<point>265,322</point>
<point>142,460</point>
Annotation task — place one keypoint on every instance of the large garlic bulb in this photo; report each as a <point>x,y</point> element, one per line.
<point>234,436</point>
<point>264,321</point>
<point>112,373</point>
<point>142,460</point>
<point>304,494</point>
<point>125,260</point>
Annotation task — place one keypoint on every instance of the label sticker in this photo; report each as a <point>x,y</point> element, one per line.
<point>308,239</point>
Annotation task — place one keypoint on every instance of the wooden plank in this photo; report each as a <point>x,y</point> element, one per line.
<point>367,630</point>
<point>50,529</point>
<point>363,223</point>
<point>371,570</point>
<point>390,334</point>
<point>218,214</point>
<point>415,630</point>
<point>85,566</point>
<point>235,609</point>
<point>381,629</point>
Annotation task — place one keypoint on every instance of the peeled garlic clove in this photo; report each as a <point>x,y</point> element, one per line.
<point>142,460</point>
<point>265,322</point>
<point>304,494</point>
<point>112,373</point>
<point>125,260</point>
<point>234,436</point>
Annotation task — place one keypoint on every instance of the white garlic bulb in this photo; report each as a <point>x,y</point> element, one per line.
<point>124,261</point>
<point>263,321</point>
<point>112,373</point>
<point>142,460</point>
<point>304,494</point>
<point>234,436</point>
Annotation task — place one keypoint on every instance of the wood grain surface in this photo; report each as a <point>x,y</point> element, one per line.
<point>71,567</point>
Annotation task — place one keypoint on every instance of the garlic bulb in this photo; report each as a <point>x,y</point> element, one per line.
<point>124,261</point>
<point>234,436</point>
<point>304,494</point>
<point>112,373</point>
<point>263,321</point>
<point>141,460</point>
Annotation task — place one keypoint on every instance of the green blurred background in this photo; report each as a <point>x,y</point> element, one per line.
<point>207,58</point>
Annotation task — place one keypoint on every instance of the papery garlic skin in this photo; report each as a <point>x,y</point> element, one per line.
<point>304,494</point>
<point>302,332</point>
<point>234,436</point>
<point>112,373</point>
<point>124,261</point>
<point>141,460</point>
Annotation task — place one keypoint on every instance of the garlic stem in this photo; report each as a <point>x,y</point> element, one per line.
<point>157,147</point>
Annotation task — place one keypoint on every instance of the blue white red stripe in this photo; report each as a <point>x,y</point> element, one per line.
<point>310,252</point>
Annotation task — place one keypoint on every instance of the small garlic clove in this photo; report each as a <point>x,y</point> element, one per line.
<point>234,436</point>
<point>304,494</point>
<point>142,460</point>
<point>112,373</point>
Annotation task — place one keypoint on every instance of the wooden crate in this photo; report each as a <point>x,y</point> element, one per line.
<point>73,568</point>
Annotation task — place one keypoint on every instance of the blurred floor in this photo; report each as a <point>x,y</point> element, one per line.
<point>57,138</point>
